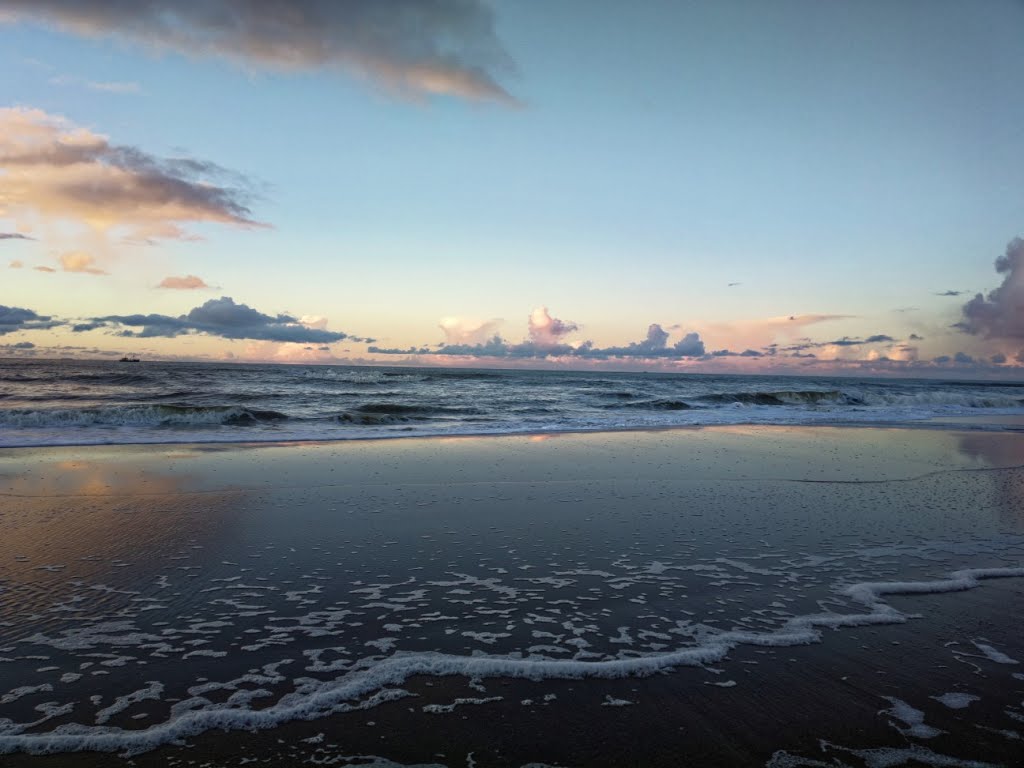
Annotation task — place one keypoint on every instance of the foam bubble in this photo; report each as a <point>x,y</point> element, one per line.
<point>956,700</point>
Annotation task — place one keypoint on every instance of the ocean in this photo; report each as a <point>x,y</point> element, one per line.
<point>63,402</point>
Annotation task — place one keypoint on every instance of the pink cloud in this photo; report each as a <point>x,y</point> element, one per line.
<point>186,283</point>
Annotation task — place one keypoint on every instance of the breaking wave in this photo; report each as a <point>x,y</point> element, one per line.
<point>397,413</point>
<point>139,416</point>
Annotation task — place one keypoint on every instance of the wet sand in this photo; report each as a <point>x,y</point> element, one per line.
<point>532,587</point>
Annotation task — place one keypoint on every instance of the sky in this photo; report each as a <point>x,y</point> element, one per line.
<point>790,187</point>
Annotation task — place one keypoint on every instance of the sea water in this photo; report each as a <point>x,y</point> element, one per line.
<point>65,402</point>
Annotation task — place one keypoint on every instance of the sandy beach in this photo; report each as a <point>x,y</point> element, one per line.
<point>737,595</point>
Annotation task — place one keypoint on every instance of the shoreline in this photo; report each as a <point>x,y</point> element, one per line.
<point>996,423</point>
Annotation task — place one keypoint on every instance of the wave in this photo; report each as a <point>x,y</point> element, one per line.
<point>397,413</point>
<point>783,397</point>
<point>368,378</point>
<point>655,405</point>
<point>139,416</point>
<point>861,397</point>
<point>119,379</point>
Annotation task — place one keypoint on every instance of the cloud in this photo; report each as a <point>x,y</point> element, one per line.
<point>415,46</point>
<point>90,326</point>
<point>186,283</point>
<point>44,269</point>
<point>19,319</point>
<point>460,330</point>
<point>14,236</point>
<point>1000,315</point>
<point>951,293</point>
<point>548,331</point>
<point>76,261</point>
<point>545,339</point>
<point>54,169</point>
<point>220,317</point>
<point>16,264</point>
<point>744,353</point>
<point>655,344</point>
<point>113,87</point>
<point>845,341</point>
<point>93,85</point>
<point>763,332</point>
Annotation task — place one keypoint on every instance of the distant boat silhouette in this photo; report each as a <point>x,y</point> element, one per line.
<point>127,359</point>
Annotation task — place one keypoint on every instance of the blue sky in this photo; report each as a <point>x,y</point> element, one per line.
<point>840,160</point>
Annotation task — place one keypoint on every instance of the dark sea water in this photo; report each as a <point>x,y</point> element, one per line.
<point>51,402</point>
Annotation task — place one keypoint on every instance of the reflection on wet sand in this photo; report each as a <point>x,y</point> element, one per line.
<point>74,517</point>
<point>1000,449</point>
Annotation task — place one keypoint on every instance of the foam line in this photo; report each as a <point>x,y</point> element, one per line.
<point>377,680</point>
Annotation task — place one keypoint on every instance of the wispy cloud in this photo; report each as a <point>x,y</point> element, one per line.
<point>54,169</point>
<point>14,236</point>
<point>219,317</point>
<point>76,261</point>
<point>950,293</point>
<point>111,86</point>
<point>416,46</point>
<point>186,283</point>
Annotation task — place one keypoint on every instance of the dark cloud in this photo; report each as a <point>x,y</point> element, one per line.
<point>951,293</point>
<point>744,353</point>
<point>220,317</point>
<point>915,337</point>
<point>14,236</point>
<point>847,341</point>
<point>91,326</point>
<point>998,358</point>
<point>654,345</point>
<point>18,319</point>
<point>1000,315</point>
<point>960,359</point>
<point>419,46</point>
